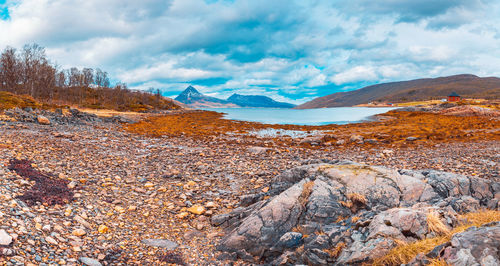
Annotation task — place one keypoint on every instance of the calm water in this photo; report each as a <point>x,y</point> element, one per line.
<point>323,116</point>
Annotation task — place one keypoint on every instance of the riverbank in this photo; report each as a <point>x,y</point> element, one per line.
<point>135,186</point>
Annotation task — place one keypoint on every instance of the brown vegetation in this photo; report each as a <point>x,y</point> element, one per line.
<point>31,73</point>
<point>335,252</point>
<point>9,100</point>
<point>47,189</point>
<point>428,128</point>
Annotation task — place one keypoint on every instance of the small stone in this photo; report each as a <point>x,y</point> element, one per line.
<point>162,243</point>
<point>82,221</point>
<point>42,120</point>
<point>51,240</point>
<point>149,185</point>
<point>197,209</point>
<point>182,215</point>
<point>89,261</point>
<point>5,239</point>
<point>72,185</point>
<point>211,204</point>
<point>200,226</point>
<point>357,139</point>
<point>46,228</point>
<point>79,232</point>
<point>103,229</point>
<point>58,228</point>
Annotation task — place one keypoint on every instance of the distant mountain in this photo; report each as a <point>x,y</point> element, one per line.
<point>194,98</point>
<point>257,101</point>
<point>469,86</point>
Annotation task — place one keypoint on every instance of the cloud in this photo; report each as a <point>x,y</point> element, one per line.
<point>290,49</point>
<point>359,73</point>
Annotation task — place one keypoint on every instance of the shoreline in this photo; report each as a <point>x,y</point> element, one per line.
<point>140,180</point>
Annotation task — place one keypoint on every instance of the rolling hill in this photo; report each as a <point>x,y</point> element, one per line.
<point>468,86</point>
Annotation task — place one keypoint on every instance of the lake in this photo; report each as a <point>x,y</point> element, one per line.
<point>322,116</point>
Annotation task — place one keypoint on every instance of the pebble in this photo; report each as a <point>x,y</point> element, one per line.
<point>162,243</point>
<point>89,261</point>
<point>197,209</point>
<point>5,239</point>
<point>51,240</point>
<point>79,232</point>
<point>103,229</point>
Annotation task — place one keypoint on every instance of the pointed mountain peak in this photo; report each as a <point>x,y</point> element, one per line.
<point>190,90</point>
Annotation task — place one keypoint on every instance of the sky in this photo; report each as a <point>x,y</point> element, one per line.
<point>290,50</point>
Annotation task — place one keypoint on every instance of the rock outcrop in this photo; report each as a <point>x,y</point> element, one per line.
<point>71,116</point>
<point>341,212</point>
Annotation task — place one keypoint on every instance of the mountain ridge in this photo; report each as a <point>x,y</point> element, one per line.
<point>257,101</point>
<point>467,85</point>
<point>193,98</point>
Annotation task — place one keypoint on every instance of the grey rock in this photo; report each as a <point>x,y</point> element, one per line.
<point>357,139</point>
<point>162,243</point>
<point>5,238</point>
<point>290,240</point>
<point>390,206</point>
<point>89,261</point>
<point>476,246</point>
<point>340,142</point>
<point>257,150</point>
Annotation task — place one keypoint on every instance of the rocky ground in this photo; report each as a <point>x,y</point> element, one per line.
<point>150,200</point>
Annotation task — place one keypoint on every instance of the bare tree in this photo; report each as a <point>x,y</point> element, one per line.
<point>9,69</point>
<point>61,79</point>
<point>88,76</point>
<point>33,58</point>
<point>75,77</point>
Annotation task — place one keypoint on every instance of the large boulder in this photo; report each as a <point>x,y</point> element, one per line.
<point>476,246</point>
<point>355,212</point>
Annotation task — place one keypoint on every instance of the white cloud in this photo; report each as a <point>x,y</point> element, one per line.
<point>359,73</point>
<point>164,71</point>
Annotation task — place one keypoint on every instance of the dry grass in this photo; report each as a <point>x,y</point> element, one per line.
<point>438,262</point>
<point>436,225</point>
<point>404,253</point>
<point>430,102</point>
<point>335,252</point>
<point>306,192</point>
<point>357,198</point>
<point>347,204</point>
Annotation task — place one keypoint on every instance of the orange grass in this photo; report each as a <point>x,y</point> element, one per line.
<point>428,127</point>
